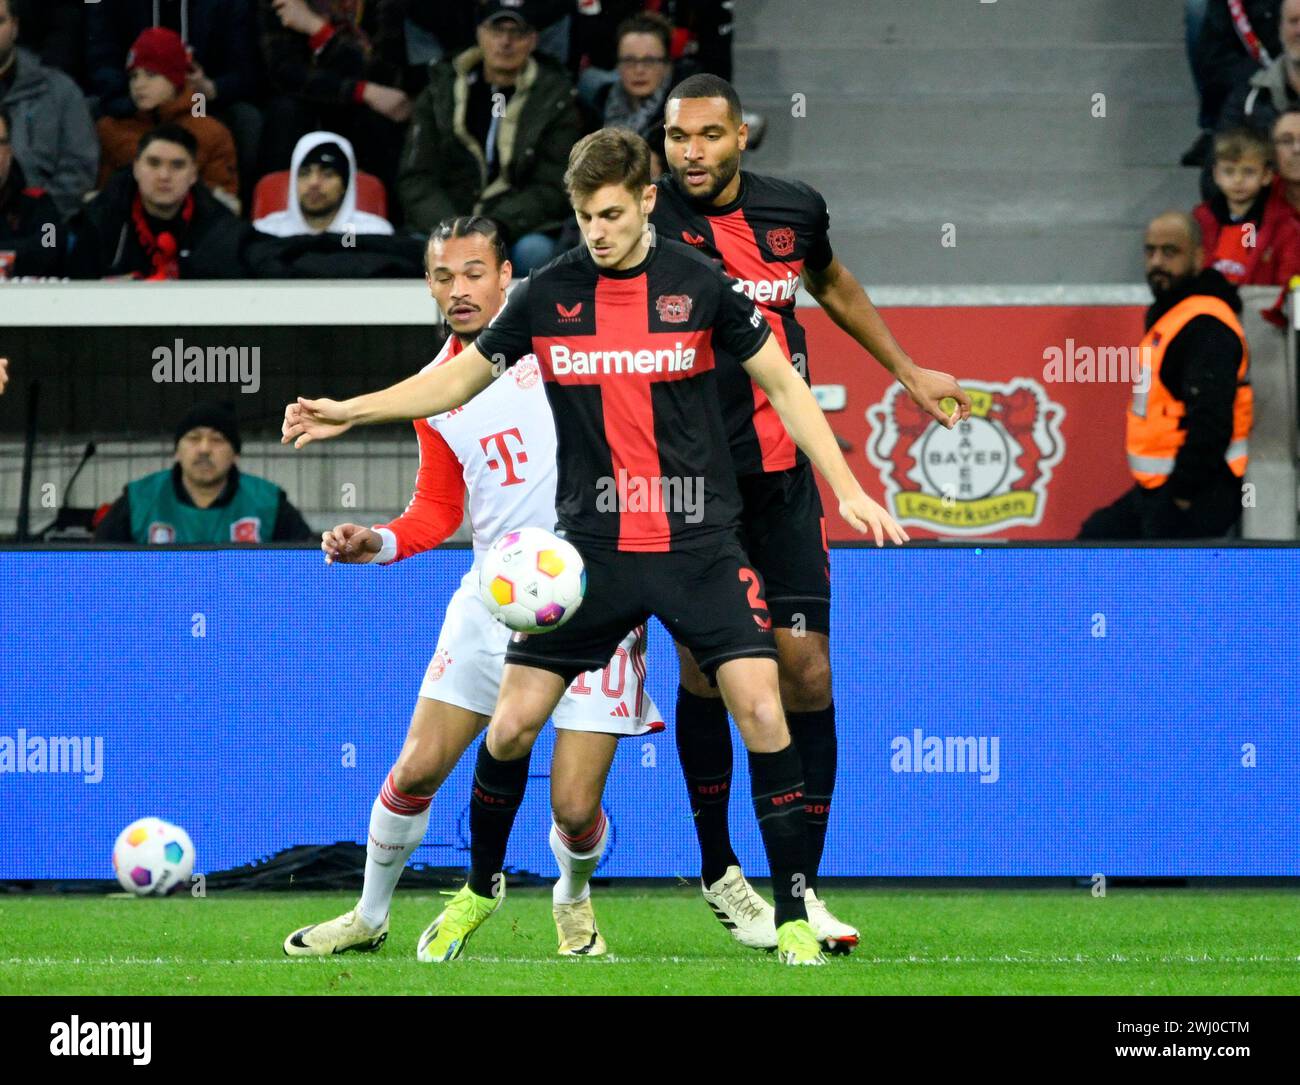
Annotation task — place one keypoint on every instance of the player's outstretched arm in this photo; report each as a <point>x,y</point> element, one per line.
<point>451,384</point>
<point>845,300</point>
<point>803,419</point>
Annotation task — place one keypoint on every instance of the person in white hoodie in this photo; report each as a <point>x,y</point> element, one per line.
<point>323,196</point>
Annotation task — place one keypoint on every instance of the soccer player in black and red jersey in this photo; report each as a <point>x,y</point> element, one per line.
<point>628,335</point>
<point>769,235</point>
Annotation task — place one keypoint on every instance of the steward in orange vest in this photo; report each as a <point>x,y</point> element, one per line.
<point>1158,423</point>
<point>1188,431</point>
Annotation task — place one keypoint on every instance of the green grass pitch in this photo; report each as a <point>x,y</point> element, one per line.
<point>665,941</point>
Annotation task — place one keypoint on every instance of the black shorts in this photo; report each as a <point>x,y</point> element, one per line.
<point>783,530</point>
<point>710,599</point>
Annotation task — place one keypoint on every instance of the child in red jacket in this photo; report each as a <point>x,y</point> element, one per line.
<point>1244,237</point>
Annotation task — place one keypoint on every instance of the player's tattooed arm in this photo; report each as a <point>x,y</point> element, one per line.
<point>793,401</point>
<point>435,391</point>
<point>845,300</point>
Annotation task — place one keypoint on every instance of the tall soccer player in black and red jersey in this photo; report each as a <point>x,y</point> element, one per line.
<point>628,335</point>
<point>769,235</point>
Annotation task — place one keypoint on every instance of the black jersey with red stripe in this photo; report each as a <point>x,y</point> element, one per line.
<point>630,361</point>
<point>763,239</point>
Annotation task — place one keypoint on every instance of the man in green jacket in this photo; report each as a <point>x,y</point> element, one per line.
<point>203,498</point>
<point>491,136</point>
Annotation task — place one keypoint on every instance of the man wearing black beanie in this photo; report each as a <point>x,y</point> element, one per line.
<point>203,497</point>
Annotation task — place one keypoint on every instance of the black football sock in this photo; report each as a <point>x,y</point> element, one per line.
<point>777,781</point>
<point>498,790</point>
<point>704,749</point>
<point>814,737</point>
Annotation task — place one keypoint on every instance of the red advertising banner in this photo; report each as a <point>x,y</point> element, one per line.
<point>1044,445</point>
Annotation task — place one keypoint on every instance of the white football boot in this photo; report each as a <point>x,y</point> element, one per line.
<point>835,937</point>
<point>576,926</point>
<point>347,933</point>
<point>739,908</point>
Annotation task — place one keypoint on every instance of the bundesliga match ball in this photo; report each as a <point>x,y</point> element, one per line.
<point>152,857</point>
<point>532,581</point>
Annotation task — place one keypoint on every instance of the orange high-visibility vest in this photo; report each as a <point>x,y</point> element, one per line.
<point>1155,432</point>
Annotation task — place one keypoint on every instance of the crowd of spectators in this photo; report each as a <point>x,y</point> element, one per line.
<point>158,139</point>
<point>1245,57</point>
<point>244,138</point>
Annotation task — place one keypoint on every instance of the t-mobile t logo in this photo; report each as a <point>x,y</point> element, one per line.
<point>503,456</point>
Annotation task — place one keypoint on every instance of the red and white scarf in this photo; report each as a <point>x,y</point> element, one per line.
<point>1247,34</point>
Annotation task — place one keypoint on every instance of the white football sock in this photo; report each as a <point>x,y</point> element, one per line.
<point>393,838</point>
<point>573,884</point>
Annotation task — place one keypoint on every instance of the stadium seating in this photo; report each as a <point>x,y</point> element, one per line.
<point>990,130</point>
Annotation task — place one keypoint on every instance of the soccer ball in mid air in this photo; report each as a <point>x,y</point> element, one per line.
<point>152,857</point>
<point>531,580</point>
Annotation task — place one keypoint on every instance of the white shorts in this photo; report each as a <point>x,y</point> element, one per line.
<point>466,671</point>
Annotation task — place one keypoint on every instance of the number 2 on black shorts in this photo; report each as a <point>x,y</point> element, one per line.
<point>755,597</point>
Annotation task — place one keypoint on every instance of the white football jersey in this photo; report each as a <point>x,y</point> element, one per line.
<point>504,439</point>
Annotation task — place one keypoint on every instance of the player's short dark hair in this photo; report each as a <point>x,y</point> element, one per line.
<point>464,226</point>
<point>1238,143</point>
<point>609,156</point>
<point>648,22</point>
<point>171,133</point>
<point>705,85</point>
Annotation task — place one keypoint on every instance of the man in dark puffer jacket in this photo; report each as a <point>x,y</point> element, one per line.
<point>491,136</point>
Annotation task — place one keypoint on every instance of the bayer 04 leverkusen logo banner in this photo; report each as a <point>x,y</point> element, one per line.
<point>988,473</point>
<point>1036,457</point>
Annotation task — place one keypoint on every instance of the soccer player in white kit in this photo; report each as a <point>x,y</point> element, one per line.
<point>500,449</point>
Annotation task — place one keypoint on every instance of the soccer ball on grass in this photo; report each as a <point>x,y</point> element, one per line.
<point>152,857</point>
